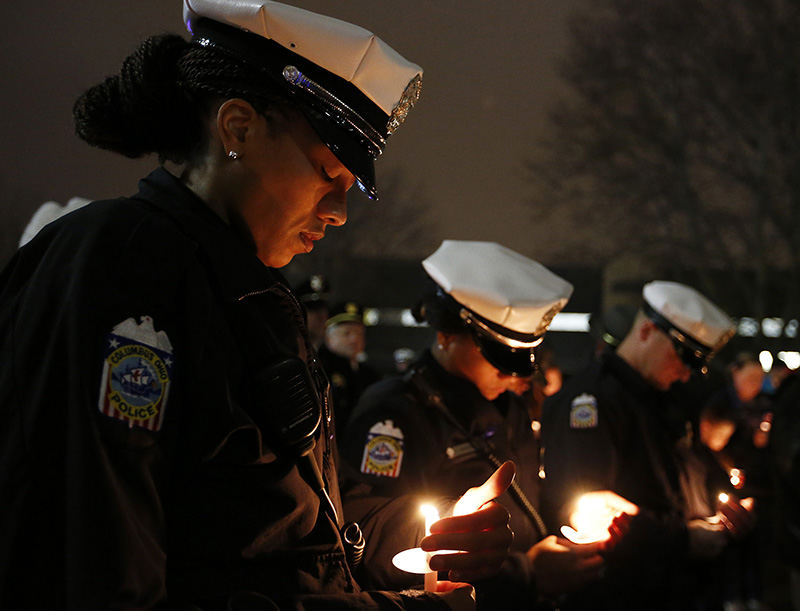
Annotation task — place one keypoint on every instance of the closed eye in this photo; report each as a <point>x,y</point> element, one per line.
<point>325,174</point>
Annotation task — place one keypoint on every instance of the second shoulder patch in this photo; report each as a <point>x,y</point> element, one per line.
<point>583,412</point>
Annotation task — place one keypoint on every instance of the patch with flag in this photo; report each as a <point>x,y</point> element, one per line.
<point>583,412</point>
<point>383,452</point>
<point>137,369</point>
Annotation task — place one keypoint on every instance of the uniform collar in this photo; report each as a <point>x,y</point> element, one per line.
<point>628,376</point>
<point>236,267</point>
<point>460,395</point>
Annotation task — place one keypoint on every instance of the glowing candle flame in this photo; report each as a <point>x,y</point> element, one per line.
<point>415,560</point>
<point>431,515</point>
<point>590,520</point>
<point>723,498</point>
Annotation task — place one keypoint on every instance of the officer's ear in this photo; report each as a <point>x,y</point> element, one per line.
<point>235,118</point>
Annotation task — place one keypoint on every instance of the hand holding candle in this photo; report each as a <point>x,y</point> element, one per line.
<point>738,516</point>
<point>479,527</point>
<point>594,514</point>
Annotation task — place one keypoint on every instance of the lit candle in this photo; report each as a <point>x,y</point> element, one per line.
<point>723,498</point>
<point>590,520</point>
<point>416,560</point>
<point>431,515</point>
<point>737,478</point>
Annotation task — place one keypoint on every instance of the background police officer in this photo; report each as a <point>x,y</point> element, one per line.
<point>608,429</point>
<point>457,413</point>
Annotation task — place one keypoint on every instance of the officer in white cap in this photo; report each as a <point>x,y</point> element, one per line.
<point>166,429</point>
<point>456,413</point>
<point>609,428</point>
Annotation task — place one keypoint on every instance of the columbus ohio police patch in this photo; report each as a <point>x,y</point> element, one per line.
<point>137,371</point>
<point>583,412</point>
<point>383,452</point>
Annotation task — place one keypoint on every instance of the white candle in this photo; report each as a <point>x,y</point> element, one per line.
<point>416,560</point>
<point>431,515</point>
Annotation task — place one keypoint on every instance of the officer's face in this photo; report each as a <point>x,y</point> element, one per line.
<point>467,361</point>
<point>747,380</point>
<point>663,367</point>
<point>292,187</point>
<point>347,339</point>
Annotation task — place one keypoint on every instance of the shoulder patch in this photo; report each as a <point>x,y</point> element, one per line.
<point>136,376</point>
<point>383,451</point>
<point>583,412</point>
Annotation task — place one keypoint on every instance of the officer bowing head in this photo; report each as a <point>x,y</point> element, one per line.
<point>491,308</point>
<point>271,114</point>
<point>676,332</point>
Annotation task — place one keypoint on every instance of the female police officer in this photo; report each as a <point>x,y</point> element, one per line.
<point>165,434</point>
<point>456,414</point>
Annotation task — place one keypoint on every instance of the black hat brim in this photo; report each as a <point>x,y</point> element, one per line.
<point>519,362</point>
<point>348,150</point>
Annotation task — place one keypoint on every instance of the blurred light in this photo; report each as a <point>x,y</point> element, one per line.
<point>791,358</point>
<point>570,321</point>
<point>737,478</point>
<point>748,327</point>
<point>723,498</point>
<point>765,426</point>
<point>371,317</point>
<point>772,327</point>
<point>765,357</point>
<point>791,328</point>
<point>407,319</point>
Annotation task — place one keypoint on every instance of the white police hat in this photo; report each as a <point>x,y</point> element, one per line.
<point>697,327</point>
<point>352,87</point>
<point>505,298</point>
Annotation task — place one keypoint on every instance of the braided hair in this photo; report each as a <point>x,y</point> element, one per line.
<point>159,100</point>
<point>436,308</point>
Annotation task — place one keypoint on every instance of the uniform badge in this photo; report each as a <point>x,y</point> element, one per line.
<point>136,374</point>
<point>583,412</point>
<point>383,452</point>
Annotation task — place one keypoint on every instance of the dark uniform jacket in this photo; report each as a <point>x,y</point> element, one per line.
<point>347,383</point>
<point>399,442</point>
<point>607,429</point>
<point>142,462</point>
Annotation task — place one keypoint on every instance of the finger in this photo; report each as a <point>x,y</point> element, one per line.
<point>590,563</point>
<point>492,515</point>
<point>472,541</point>
<point>449,586</point>
<point>468,567</point>
<point>587,550</point>
<point>498,482</point>
<point>737,515</point>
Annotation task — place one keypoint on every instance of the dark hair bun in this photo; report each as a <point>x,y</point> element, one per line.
<point>143,109</point>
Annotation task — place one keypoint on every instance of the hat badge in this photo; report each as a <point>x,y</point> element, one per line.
<point>405,104</point>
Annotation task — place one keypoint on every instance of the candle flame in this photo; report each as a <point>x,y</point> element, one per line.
<point>431,515</point>
<point>723,498</point>
<point>591,519</point>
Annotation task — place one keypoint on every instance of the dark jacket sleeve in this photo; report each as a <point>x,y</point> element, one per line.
<point>83,491</point>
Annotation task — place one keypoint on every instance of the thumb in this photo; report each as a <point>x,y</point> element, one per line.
<point>497,484</point>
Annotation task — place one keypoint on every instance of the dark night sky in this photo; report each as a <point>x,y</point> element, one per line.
<point>489,78</point>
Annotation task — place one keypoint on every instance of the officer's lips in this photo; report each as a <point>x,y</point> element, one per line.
<point>309,238</point>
